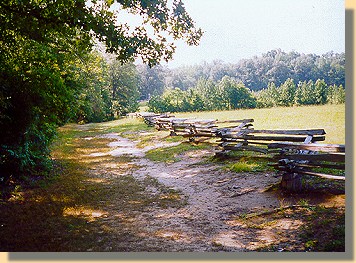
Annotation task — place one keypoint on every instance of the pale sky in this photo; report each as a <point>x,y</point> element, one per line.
<point>237,29</point>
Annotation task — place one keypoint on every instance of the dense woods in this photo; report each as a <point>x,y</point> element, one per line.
<point>256,73</point>
<point>276,78</point>
<point>229,94</point>
<point>50,74</point>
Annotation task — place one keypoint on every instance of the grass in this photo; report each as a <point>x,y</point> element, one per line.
<point>331,118</point>
<point>327,233</point>
<point>244,161</point>
<point>85,207</point>
<point>239,167</point>
<point>126,127</point>
<point>143,106</point>
<point>171,154</point>
<point>152,138</point>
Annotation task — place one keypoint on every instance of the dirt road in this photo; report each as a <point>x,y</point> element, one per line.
<point>112,198</point>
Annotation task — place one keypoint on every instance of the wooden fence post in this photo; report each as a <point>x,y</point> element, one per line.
<point>292,182</point>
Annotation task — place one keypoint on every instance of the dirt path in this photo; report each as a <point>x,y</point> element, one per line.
<point>110,197</point>
<point>214,198</point>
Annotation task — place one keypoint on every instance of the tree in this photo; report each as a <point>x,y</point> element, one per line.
<point>304,94</point>
<point>236,95</point>
<point>274,66</point>
<point>93,97</point>
<point>152,81</point>
<point>124,82</point>
<point>41,44</point>
<point>336,95</point>
<point>157,104</point>
<point>320,92</point>
<point>286,93</point>
<point>209,94</point>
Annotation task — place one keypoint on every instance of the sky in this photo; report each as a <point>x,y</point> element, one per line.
<point>238,29</point>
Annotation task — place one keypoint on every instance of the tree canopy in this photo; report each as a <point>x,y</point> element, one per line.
<point>49,74</point>
<point>228,94</point>
<point>274,66</point>
<point>73,24</point>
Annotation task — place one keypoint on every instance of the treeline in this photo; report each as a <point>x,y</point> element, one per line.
<point>256,73</point>
<point>107,90</point>
<point>304,93</point>
<point>228,94</point>
<point>36,97</point>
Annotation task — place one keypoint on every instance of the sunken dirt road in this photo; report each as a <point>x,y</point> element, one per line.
<point>108,195</point>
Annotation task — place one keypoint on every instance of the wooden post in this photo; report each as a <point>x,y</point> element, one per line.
<point>292,182</point>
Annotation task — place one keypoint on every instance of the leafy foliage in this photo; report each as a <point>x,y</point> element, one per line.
<point>151,81</point>
<point>49,75</point>
<point>305,93</point>
<point>230,95</point>
<point>124,85</point>
<point>256,73</point>
<point>227,94</point>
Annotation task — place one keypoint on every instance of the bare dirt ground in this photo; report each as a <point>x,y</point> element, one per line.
<point>215,203</point>
<point>113,198</point>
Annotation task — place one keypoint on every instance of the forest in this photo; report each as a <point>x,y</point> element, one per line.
<point>228,94</point>
<point>256,73</point>
<point>276,78</point>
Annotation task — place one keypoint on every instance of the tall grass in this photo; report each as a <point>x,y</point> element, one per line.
<point>331,118</point>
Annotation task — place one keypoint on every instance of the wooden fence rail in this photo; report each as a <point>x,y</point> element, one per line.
<point>297,152</point>
<point>151,118</point>
<point>321,160</point>
<point>259,140</point>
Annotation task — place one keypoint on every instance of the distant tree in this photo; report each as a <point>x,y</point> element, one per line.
<point>304,94</point>
<point>320,92</point>
<point>304,68</point>
<point>286,93</point>
<point>336,95</point>
<point>267,98</point>
<point>93,97</point>
<point>196,101</point>
<point>124,81</point>
<point>209,94</point>
<point>236,95</point>
<point>152,80</point>
<point>274,66</point>
<point>157,104</point>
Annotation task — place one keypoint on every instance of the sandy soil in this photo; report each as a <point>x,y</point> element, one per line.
<point>110,197</point>
<point>214,199</point>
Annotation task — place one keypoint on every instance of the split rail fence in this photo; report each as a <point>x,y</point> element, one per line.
<point>297,152</point>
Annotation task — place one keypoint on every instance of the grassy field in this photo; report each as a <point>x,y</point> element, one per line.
<point>331,118</point>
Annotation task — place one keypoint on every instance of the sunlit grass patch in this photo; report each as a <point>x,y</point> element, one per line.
<point>174,139</point>
<point>89,213</point>
<point>244,161</point>
<point>328,117</point>
<point>239,167</point>
<point>126,126</point>
<point>171,154</point>
<point>147,139</point>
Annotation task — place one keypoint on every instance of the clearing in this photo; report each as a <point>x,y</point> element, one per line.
<point>122,186</point>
